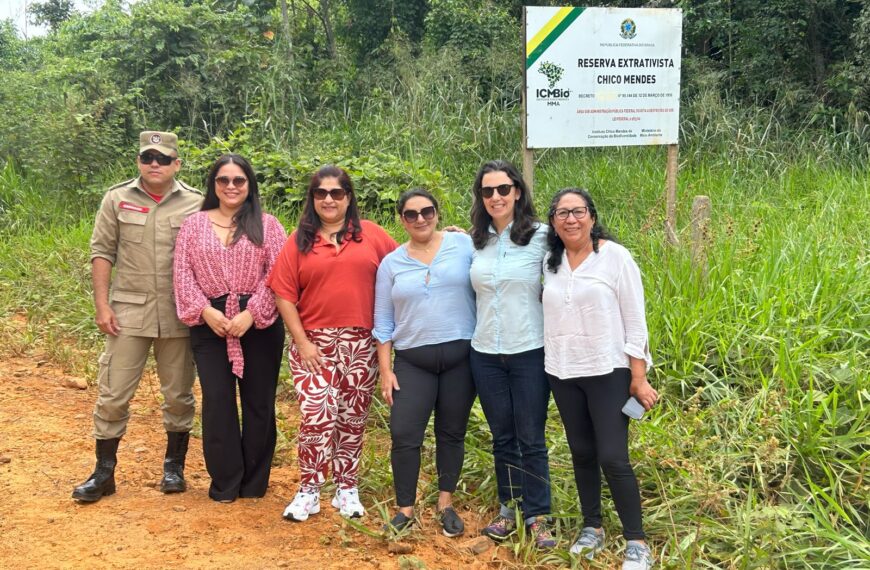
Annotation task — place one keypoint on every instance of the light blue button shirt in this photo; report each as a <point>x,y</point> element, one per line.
<point>507,280</point>
<point>418,304</point>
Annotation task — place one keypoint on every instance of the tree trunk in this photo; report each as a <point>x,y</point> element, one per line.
<point>327,27</point>
<point>285,24</point>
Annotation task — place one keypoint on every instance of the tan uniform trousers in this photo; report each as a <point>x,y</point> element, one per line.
<point>121,367</point>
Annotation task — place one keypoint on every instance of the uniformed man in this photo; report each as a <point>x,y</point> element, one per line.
<point>135,233</point>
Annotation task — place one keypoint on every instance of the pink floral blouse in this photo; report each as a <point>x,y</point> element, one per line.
<point>206,269</point>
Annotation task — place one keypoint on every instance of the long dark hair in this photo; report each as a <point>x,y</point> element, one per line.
<point>525,220</point>
<point>554,242</point>
<point>309,221</point>
<point>249,218</point>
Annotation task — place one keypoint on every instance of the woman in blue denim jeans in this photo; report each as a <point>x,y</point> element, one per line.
<point>507,355</point>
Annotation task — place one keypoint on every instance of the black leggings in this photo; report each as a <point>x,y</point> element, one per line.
<point>597,432</point>
<point>430,377</point>
<point>238,459</point>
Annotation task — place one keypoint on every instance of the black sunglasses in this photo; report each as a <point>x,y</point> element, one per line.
<point>503,190</point>
<point>237,181</point>
<point>162,159</point>
<point>411,215</point>
<point>336,193</point>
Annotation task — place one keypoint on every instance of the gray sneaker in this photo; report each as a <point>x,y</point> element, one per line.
<point>590,543</point>
<point>637,556</point>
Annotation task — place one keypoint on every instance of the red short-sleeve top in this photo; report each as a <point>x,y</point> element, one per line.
<point>332,287</point>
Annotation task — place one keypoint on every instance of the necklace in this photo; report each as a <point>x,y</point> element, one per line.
<point>229,227</point>
<point>426,249</point>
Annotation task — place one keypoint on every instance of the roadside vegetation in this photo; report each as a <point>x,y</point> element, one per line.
<point>757,456</point>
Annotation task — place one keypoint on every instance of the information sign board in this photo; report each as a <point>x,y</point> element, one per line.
<point>602,76</point>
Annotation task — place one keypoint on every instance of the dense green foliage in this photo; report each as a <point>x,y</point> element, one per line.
<point>52,13</point>
<point>208,67</point>
<point>757,457</point>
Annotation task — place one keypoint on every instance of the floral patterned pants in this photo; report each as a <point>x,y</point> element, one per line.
<point>334,405</point>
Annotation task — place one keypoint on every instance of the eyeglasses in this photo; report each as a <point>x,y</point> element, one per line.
<point>579,213</point>
<point>411,215</point>
<point>224,181</point>
<point>336,194</point>
<point>503,190</point>
<point>162,159</point>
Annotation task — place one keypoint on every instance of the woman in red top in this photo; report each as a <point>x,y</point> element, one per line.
<point>324,283</point>
<point>223,255</point>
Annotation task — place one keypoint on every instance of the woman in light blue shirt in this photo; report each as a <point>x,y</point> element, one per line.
<point>507,354</point>
<point>425,311</point>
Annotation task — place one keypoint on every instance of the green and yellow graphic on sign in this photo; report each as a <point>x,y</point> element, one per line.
<point>550,33</point>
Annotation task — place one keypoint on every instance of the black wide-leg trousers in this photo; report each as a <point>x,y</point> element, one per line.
<point>238,457</point>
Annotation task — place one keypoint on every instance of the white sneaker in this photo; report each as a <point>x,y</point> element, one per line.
<point>302,505</point>
<point>347,503</point>
<point>590,543</point>
<point>637,556</point>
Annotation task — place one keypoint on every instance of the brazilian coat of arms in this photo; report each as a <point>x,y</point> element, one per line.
<point>628,29</point>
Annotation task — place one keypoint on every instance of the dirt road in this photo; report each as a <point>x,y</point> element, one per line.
<point>46,449</point>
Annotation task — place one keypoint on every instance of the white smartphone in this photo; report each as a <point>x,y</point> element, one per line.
<point>633,408</point>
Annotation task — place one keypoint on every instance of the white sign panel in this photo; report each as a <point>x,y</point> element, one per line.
<point>602,76</point>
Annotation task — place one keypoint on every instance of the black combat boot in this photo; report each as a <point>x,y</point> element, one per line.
<point>173,464</point>
<point>102,480</point>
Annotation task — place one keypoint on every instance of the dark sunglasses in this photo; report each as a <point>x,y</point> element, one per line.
<point>162,159</point>
<point>503,190</point>
<point>410,216</point>
<point>237,181</point>
<point>336,193</point>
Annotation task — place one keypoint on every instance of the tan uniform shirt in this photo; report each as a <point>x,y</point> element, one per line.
<point>137,235</point>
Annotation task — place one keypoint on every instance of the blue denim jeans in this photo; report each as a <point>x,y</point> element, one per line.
<point>514,394</point>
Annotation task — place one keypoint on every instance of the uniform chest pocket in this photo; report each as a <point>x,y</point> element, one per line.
<point>132,225</point>
<point>175,224</point>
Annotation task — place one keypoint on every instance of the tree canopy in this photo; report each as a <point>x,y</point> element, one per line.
<point>205,67</point>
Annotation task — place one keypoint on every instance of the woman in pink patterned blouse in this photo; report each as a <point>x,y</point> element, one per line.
<point>223,255</point>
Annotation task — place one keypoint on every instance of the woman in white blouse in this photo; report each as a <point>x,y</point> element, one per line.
<point>596,356</point>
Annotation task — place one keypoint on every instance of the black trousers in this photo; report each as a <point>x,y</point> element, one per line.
<point>238,457</point>
<point>433,377</point>
<point>597,432</point>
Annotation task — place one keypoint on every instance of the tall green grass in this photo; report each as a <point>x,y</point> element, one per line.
<point>757,456</point>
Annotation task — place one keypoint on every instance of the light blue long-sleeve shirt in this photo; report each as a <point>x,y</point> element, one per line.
<point>418,304</point>
<point>507,280</point>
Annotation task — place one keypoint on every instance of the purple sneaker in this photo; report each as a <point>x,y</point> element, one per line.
<point>540,531</point>
<point>500,528</point>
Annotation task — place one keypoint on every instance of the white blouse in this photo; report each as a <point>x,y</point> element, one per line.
<point>594,315</point>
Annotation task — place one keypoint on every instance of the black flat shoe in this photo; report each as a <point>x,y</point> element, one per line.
<point>451,524</point>
<point>397,524</point>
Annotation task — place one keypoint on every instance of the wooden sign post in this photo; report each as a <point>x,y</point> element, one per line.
<point>671,194</point>
<point>528,154</point>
